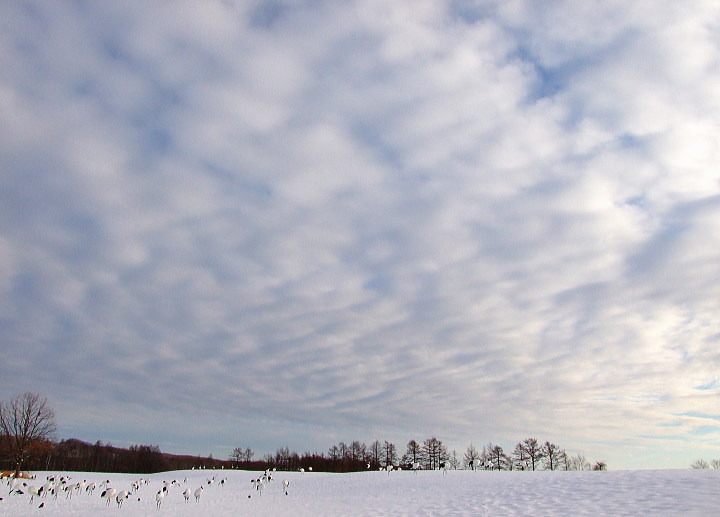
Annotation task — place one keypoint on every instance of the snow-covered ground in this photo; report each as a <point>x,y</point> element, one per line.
<point>659,492</point>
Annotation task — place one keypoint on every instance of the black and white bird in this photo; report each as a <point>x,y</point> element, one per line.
<point>121,496</point>
<point>109,494</point>
<point>159,498</point>
<point>34,492</point>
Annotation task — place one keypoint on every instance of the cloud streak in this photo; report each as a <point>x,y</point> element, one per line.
<point>300,222</point>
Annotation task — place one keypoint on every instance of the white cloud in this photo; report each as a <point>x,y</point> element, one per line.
<point>385,219</point>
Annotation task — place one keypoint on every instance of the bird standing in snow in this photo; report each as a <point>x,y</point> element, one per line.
<point>120,498</point>
<point>159,498</point>
<point>108,494</point>
<point>34,492</point>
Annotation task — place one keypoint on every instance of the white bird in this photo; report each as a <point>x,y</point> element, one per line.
<point>34,492</point>
<point>90,488</point>
<point>198,493</point>
<point>16,483</point>
<point>47,487</point>
<point>108,494</point>
<point>122,495</point>
<point>285,485</point>
<point>159,498</point>
<point>186,494</point>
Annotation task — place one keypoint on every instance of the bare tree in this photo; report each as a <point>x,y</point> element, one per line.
<point>242,455</point>
<point>497,457</point>
<point>249,453</point>
<point>454,460</point>
<point>533,450</point>
<point>520,457</point>
<point>553,455</point>
<point>715,464</point>
<point>390,453</point>
<point>375,453</point>
<point>578,462</point>
<point>700,464</point>
<point>434,453</point>
<point>237,455</point>
<point>343,451</point>
<point>471,454</point>
<point>334,453</point>
<point>26,420</point>
<point>357,450</point>
<point>413,454</point>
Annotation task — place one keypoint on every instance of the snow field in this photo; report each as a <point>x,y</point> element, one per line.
<point>426,493</point>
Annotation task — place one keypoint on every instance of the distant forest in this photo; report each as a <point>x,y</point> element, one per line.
<point>430,454</point>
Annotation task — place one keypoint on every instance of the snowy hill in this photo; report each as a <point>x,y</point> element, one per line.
<point>617,493</point>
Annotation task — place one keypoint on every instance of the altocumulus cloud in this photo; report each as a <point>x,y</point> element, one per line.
<point>269,223</point>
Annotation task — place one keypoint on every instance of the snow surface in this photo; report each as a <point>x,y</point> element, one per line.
<point>616,493</point>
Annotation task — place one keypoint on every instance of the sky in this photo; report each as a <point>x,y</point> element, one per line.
<point>300,222</point>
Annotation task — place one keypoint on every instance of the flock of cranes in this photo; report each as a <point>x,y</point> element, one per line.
<point>56,485</point>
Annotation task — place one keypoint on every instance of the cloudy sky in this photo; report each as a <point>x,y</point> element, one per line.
<point>299,222</point>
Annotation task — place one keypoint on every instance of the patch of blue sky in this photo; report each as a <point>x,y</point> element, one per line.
<point>708,386</point>
<point>238,183</point>
<point>266,14</point>
<point>550,81</point>
<point>705,429</point>
<point>637,201</point>
<point>697,414</point>
<point>371,135</point>
<point>378,283</point>
<point>673,437</point>
<point>470,12</point>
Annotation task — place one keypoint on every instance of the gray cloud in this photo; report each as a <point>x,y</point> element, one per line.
<point>296,222</point>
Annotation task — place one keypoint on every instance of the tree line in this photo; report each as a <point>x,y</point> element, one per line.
<point>27,424</point>
<point>703,464</point>
<point>429,454</point>
<point>76,455</point>
<point>529,454</point>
